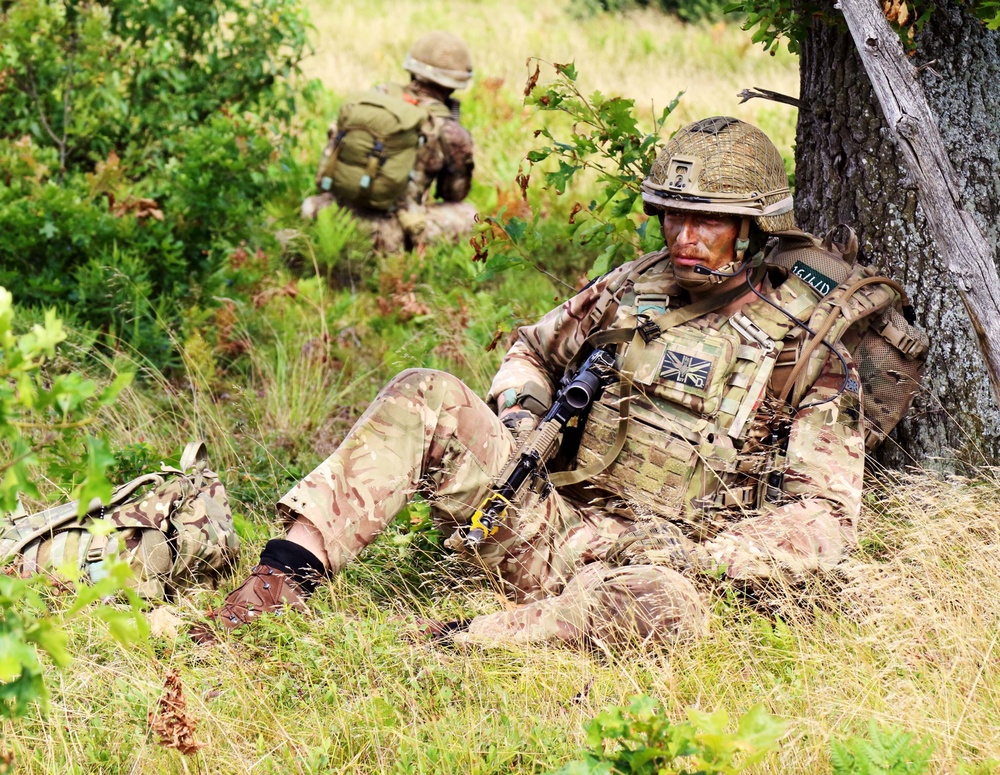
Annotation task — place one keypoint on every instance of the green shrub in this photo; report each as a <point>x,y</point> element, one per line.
<point>886,751</point>
<point>139,142</point>
<point>604,140</point>
<point>43,424</point>
<point>640,740</point>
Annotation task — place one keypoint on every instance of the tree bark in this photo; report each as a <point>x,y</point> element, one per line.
<point>849,169</point>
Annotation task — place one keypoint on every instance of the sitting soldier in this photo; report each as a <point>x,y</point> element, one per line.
<point>392,150</point>
<point>731,443</point>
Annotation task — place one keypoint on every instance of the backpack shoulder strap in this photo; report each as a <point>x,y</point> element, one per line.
<point>859,298</point>
<point>17,531</point>
<point>20,531</point>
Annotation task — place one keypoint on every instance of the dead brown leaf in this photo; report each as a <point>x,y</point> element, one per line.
<point>533,80</point>
<point>142,208</point>
<point>171,721</point>
<point>163,622</point>
<point>896,11</point>
<point>291,290</point>
<point>497,336</point>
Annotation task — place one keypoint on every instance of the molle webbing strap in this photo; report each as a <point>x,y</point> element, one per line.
<point>58,516</point>
<point>193,462</point>
<point>840,308</point>
<point>664,322</point>
<point>329,165</point>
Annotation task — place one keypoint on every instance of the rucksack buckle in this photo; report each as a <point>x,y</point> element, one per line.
<point>648,329</point>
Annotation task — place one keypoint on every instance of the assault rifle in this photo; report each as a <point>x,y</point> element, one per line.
<point>576,395</point>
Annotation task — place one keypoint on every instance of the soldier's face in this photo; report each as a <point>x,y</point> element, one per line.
<point>698,238</point>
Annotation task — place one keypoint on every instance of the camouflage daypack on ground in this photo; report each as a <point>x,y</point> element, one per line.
<point>173,527</point>
<point>372,148</point>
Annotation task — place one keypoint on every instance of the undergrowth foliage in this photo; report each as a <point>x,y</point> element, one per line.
<point>44,424</point>
<point>641,740</point>
<point>774,21</point>
<point>886,751</point>
<point>604,140</point>
<point>138,141</point>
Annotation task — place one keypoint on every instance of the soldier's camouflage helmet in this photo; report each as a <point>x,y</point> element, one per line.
<point>441,58</point>
<point>721,165</point>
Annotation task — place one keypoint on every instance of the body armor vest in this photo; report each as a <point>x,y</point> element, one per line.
<point>701,439</point>
<point>694,444</point>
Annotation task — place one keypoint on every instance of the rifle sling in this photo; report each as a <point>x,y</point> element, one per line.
<point>668,320</point>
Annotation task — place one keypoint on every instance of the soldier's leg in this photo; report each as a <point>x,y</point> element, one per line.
<point>603,606</point>
<point>441,222</point>
<point>425,432</point>
<point>387,234</point>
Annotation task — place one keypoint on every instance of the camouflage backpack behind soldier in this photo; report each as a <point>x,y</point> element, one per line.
<point>393,149</point>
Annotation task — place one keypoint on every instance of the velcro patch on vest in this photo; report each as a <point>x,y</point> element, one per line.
<point>818,281</point>
<point>685,369</point>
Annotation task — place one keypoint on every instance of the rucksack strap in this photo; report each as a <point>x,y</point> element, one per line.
<point>193,462</point>
<point>840,309</point>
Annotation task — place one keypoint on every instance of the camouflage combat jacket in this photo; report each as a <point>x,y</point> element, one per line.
<point>701,448</point>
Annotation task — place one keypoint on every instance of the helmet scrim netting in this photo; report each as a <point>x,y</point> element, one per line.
<point>735,158</point>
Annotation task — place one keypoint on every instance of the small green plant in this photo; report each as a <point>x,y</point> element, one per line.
<point>605,140</point>
<point>641,740</point>
<point>886,751</point>
<point>43,423</point>
<point>340,242</point>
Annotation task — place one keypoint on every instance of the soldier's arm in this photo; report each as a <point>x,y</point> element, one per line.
<point>455,178</point>
<point>543,350</point>
<point>815,525</point>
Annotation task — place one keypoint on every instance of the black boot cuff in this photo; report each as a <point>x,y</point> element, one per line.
<point>303,566</point>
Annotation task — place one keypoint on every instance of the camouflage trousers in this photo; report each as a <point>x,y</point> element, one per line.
<point>428,433</point>
<point>410,228</point>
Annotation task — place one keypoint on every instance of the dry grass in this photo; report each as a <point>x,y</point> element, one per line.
<point>907,637</point>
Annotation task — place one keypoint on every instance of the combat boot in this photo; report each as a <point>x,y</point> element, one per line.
<point>266,590</point>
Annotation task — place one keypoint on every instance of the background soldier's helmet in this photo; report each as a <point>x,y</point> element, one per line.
<point>441,58</point>
<point>722,165</point>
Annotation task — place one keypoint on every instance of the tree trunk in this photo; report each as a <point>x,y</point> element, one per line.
<point>848,170</point>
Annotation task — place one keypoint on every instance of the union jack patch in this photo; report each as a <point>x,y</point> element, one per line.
<point>685,369</point>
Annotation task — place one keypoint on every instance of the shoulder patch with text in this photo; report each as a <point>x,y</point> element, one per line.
<point>817,281</point>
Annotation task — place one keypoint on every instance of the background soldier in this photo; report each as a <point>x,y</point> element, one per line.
<point>718,474</point>
<point>427,149</point>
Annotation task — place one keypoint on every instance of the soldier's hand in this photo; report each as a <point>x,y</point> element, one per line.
<point>518,421</point>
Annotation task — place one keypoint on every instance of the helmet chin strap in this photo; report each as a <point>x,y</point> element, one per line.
<point>695,281</point>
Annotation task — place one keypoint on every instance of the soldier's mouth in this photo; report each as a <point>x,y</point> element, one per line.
<point>685,260</point>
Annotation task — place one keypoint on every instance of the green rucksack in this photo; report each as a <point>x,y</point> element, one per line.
<point>372,149</point>
<point>174,528</point>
